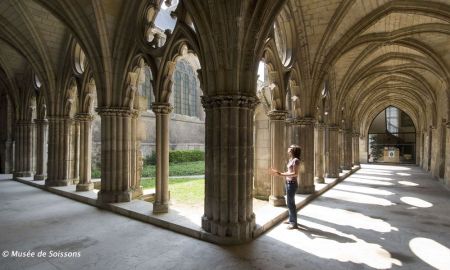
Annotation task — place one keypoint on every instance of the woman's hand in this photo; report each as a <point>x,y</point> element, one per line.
<point>274,172</point>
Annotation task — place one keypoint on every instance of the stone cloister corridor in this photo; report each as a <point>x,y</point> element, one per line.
<point>123,105</point>
<point>381,217</point>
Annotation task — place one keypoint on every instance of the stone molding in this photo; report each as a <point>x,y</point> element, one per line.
<point>320,125</point>
<point>161,108</point>
<point>279,115</point>
<point>114,111</point>
<point>307,121</point>
<point>231,101</point>
<point>41,121</point>
<point>24,123</point>
<point>333,127</point>
<point>84,117</point>
<point>355,134</point>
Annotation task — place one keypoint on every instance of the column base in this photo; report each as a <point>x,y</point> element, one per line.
<point>230,233</point>
<point>320,180</point>
<point>58,183</point>
<point>277,201</point>
<point>348,167</point>
<point>305,189</point>
<point>76,181</point>
<point>160,208</point>
<point>114,196</point>
<point>22,174</point>
<point>85,187</point>
<point>39,177</point>
<point>331,175</point>
<point>137,192</point>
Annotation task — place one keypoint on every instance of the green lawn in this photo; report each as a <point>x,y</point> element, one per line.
<point>175,169</point>
<point>182,190</point>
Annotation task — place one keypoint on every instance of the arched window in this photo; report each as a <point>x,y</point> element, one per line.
<point>185,89</point>
<point>80,59</point>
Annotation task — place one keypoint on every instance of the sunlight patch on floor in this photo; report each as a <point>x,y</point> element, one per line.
<point>386,167</point>
<point>376,172</point>
<point>357,198</point>
<point>403,174</point>
<point>431,252</point>
<point>408,183</point>
<point>328,243</point>
<point>361,189</point>
<point>358,180</point>
<point>347,218</point>
<point>416,202</point>
<point>371,177</point>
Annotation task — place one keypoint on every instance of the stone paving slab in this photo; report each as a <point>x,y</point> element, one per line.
<point>185,219</point>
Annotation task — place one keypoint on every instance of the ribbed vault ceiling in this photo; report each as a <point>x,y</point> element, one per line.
<point>398,49</point>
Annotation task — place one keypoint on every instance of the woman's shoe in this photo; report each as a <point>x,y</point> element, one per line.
<point>291,227</point>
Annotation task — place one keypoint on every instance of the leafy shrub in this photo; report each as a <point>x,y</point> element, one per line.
<point>95,172</point>
<point>178,156</point>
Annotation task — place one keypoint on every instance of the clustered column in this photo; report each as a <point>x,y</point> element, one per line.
<point>341,148</point>
<point>348,141</point>
<point>356,149</point>
<point>136,157</point>
<point>116,155</point>
<point>320,152</point>
<point>305,131</point>
<point>24,149</point>
<point>278,152</point>
<point>229,166</point>
<point>333,151</point>
<point>59,151</point>
<point>85,123</point>
<point>41,157</point>
<point>162,111</point>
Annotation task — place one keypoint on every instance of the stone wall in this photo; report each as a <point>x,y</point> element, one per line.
<point>186,132</point>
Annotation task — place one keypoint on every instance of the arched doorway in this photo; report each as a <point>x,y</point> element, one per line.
<point>392,137</point>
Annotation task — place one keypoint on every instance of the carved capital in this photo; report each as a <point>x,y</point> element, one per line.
<point>320,125</point>
<point>231,101</point>
<point>115,111</point>
<point>41,122</point>
<point>162,108</point>
<point>24,123</point>
<point>307,121</point>
<point>84,117</point>
<point>277,115</point>
<point>333,127</point>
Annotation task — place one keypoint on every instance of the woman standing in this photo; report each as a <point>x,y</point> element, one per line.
<point>294,152</point>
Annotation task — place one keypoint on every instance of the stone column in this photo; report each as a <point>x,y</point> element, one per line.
<point>136,158</point>
<point>319,152</point>
<point>305,133</point>
<point>116,155</point>
<point>229,166</point>
<point>41,141</point>
<point>348,141</point>
<point>75,137</point>
<point>356,149</point>
<point>341,149</point>
<point>162,111</point>
<point>8,156</point>
<point>333,152</point>
<point>59,151</point>
<point>85,123</point>
<point>278,152</point>
<point>24,149</point>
